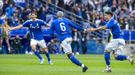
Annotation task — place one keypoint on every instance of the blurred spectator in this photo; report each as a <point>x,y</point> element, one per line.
<point>10,10</point>
<point>84,42</point>
<point>25,43</point>
<point>1,6</point>
<point>77,10</point>
<point>42,13</point>
<point>20,3</point>
<point>68,4</point>
<point>61,3</point>
<point>16,44</point>
<point>126,23</point>
<point>25,13</point>
<point>5,5</point>
<point>75,41</point>
<point>131,4</point>
<point>97,19</point>
<point>15,20</point>
<point>53,47</point>
<point>5,34</point>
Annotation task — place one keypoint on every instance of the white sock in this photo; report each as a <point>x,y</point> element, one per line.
<point>108,67</point>
<point>82,65</point>
<point>128,57</point>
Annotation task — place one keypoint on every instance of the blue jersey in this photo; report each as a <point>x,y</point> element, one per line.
<point>35,28</point>
<point>114,26</point>
<point>62,27</point>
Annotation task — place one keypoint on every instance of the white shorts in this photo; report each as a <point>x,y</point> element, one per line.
<point>40,43</point>
<point>66,45</point>
<point>117,45</point>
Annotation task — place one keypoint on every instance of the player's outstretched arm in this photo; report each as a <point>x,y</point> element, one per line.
<point>96,29</point>
<point>17,27</point>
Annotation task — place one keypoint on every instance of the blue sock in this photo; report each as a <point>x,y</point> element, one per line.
<point>48,56</point>
<point>37,54</point>
<point>74,59</point>
<point>121,57</point>
<point>107,58</point>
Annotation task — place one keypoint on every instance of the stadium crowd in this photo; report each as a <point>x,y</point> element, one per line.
<point>93,10</point>
<point>17,11</point>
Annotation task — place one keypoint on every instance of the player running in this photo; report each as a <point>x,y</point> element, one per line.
<point>36,35</point>
<point>116,44</point>
<point>61,27</point>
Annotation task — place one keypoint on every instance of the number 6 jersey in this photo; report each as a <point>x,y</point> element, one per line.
<point>62,28</point>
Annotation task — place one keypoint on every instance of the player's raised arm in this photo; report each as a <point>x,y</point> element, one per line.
<point>75,26</point>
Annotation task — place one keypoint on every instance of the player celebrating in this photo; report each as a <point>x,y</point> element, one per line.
<point>116,44</point>
<point>62,28</point>
<point>36,35</point>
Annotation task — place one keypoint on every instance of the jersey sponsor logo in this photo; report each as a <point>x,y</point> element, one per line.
<point>34,27</point>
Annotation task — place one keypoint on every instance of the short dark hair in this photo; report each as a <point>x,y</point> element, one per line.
<point>33,12</point>
<point>109,13</point>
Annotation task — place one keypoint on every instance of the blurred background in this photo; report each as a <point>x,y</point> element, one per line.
<point>86,13</point>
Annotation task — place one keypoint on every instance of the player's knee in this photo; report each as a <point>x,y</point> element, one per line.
<point>107,51</point>
<point>69,52</point>
<point>69,55</point>
<point>33,48</point>
<point>45,49</point>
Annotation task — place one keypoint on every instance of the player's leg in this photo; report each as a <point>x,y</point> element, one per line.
<point>33,46</point>
<point>66,44</point>
<point>107,60</point>
<point>8,44</point>
<point>121,53</point>
<point>43,46</point>
<point>125,57</point>
<point>109,48</point>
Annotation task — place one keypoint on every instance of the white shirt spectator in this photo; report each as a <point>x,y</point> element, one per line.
<point>1,4</point>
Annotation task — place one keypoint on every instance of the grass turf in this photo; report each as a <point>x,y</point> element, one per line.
<point>29,65</point>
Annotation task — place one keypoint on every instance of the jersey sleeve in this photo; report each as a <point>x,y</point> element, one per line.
<point>52,29</point>
<point>42,22</point>
<point>75,26</point>
<point>110,24</point>
<point>26,24</point>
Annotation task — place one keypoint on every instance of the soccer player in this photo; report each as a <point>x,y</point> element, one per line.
<point>36,35</point>
<point>116,44</point>
<point>62,27</point>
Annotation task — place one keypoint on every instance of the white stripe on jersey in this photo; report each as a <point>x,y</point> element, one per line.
<point>41,21</point>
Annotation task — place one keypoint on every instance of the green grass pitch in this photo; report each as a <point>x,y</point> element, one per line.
<point>29,65</point>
